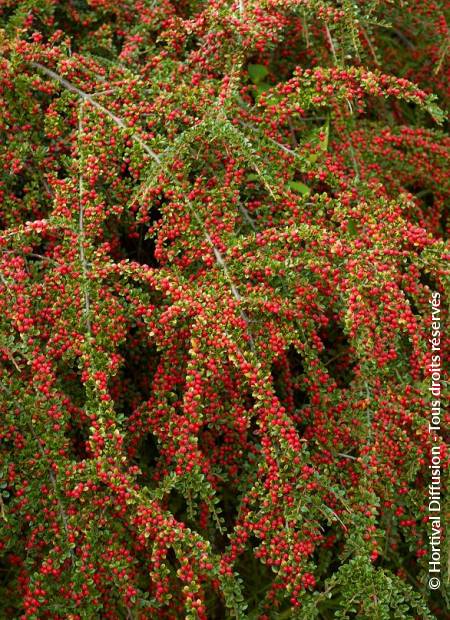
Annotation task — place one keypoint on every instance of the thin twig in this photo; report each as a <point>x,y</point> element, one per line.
<point>347,456</point>
<point>371,48</point>
<point>2,509</point>
<point>11,358</point>
<point>330,41</point>
<point>221,262</point>
<point>52,478</point>
<point>404,39</point>
<point>32,255</point>
<point>247,217</point>
<point>306,30</point>
<point>443,54</point>
<point>90,99</point>
<point>81,236</point>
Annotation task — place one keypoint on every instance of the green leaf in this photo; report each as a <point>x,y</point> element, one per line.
<point>351,228</point>
<point>257,73</point>
<point>262,87</point>
<point>300,188</point>
<point>273,99</point>
<point>434,110</point>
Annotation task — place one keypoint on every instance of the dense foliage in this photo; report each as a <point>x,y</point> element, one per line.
<point>221,226</point>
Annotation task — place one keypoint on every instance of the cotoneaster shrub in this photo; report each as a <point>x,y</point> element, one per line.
<point>222,223</point>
